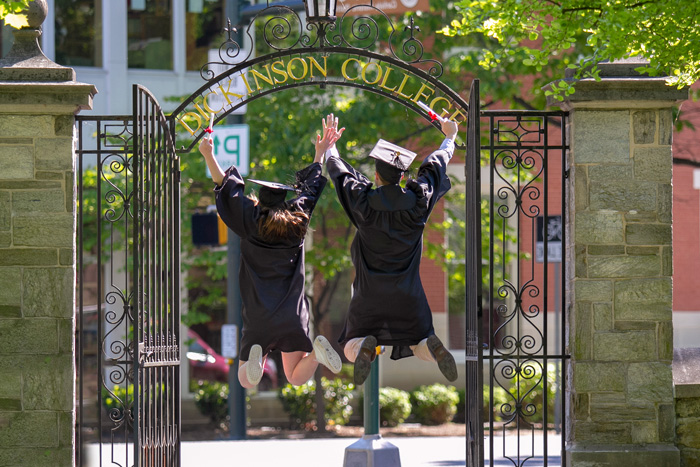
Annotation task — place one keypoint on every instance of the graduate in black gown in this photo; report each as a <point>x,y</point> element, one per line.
<point>388,305</point>
<point>272,231</point>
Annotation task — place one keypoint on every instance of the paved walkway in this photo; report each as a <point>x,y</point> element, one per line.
<point>414,452</point>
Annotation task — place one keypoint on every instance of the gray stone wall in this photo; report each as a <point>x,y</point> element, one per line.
<point>37,277</point>
<point>621,405</point>
<point>686,379</point>
<point>38,101</point>
<point>622,286</point>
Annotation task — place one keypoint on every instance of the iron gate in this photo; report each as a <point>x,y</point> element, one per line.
<point>515,324</point>
<point>128,316</point>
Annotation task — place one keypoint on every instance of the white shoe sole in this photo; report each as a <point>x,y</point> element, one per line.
<point>326,354</point>
<point>254,367</point>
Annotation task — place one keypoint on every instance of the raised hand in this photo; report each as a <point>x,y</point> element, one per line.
<point>330,136</point>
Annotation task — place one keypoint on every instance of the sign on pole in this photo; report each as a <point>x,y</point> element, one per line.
<point>231,147</point>
<point>554,237</point>
<point>229,341</point>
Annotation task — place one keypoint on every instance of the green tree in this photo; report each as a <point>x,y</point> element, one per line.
<point>583,33</point>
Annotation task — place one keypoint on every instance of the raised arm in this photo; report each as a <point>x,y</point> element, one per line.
<point>207,150</point>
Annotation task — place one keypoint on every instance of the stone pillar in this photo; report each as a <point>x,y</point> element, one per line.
<point>38,101</point>
<point>620,384</point>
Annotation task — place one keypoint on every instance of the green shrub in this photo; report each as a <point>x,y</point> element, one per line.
<point>394,406</point>
<point>435,404</point>
<point>298,401</point>
<point>212,401</point>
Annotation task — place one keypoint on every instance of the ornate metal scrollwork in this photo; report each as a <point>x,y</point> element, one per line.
<point>282,30</point>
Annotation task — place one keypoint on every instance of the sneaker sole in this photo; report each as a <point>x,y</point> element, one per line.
<point>444,359</point>
<point>326,355</point>
<point>363,362</point>
<point>253,368</point>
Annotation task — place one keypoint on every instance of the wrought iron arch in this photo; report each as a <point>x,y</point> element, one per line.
<point>329,40</point>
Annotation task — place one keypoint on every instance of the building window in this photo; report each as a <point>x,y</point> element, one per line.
<point>78,32</point>
<point>204,26</point>
<point>150,31</point>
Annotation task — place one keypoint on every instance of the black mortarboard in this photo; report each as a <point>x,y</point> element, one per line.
<point>392,160</point>
<point>272,193</point>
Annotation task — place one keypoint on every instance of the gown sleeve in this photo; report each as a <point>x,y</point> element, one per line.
<point>352,187</point>
<point>432,181</point>
<point>236,210</point>
<point>311,183</point>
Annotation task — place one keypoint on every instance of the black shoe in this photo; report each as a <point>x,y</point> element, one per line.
<point>444,358</point>
<point>364,359</point>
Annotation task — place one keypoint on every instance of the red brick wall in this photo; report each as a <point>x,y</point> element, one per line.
<point>686,214</point>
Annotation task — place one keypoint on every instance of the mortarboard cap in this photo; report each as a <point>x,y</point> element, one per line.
<point>391,160</point>
<point>272,193</point>
<point>395,156</point>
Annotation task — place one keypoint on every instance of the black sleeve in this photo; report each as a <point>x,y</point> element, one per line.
<point>432,181</point>
<point>236,210</point>
<point>311,183</point>
<point>352,188</point>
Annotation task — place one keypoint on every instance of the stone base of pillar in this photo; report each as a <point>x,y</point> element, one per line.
<point>372,451</point>
<point>656,455</point>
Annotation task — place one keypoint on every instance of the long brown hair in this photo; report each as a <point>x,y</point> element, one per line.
<point>281,223</point>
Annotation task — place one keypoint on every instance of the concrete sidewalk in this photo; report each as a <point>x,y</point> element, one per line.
<point>414,452</point>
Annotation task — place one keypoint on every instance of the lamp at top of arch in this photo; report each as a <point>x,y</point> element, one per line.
<point>320,11</point>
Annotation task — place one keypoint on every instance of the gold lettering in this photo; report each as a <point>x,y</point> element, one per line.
<point>444,111</point>
<point>226,93</point>
<point>343,70</point>
<point>290,68</point>
<point>403,83</point>
<point>386,78</point>
<point>458,113</point>
<point>205,115</point>
<point>314,63</point>
<point>187,127</point>
<point>364,73</point>
<point>279,71</point>
<point>256,74</point>
<point>206,104</point>
<point>245,81</point>
<point>420,94</point>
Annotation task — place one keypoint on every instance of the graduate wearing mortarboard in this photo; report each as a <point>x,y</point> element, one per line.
<point>272,231</point>
<point>388,305</point>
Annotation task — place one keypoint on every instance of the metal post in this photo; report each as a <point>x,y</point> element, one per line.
<point>371,400</point>
<point>371,450</point>
<point>236,393</point>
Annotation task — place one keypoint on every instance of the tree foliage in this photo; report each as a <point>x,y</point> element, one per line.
<point>11,12</point>
<point>582,33</point>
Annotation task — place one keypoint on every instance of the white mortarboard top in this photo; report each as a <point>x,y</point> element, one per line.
<point>394,155</point>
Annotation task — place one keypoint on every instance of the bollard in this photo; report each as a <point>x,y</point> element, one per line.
<point>371,450</point>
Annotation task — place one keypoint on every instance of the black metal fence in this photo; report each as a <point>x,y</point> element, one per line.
<point>522,324</point>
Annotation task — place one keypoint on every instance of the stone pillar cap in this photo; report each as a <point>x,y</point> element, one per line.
<point>619,86</point>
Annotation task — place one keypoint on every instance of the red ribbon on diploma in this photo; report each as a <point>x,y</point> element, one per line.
<point>433,116</point>
<point>210,130</point>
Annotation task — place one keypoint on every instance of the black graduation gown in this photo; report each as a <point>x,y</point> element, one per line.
<point>275,309</point>
<point>388,299</point>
